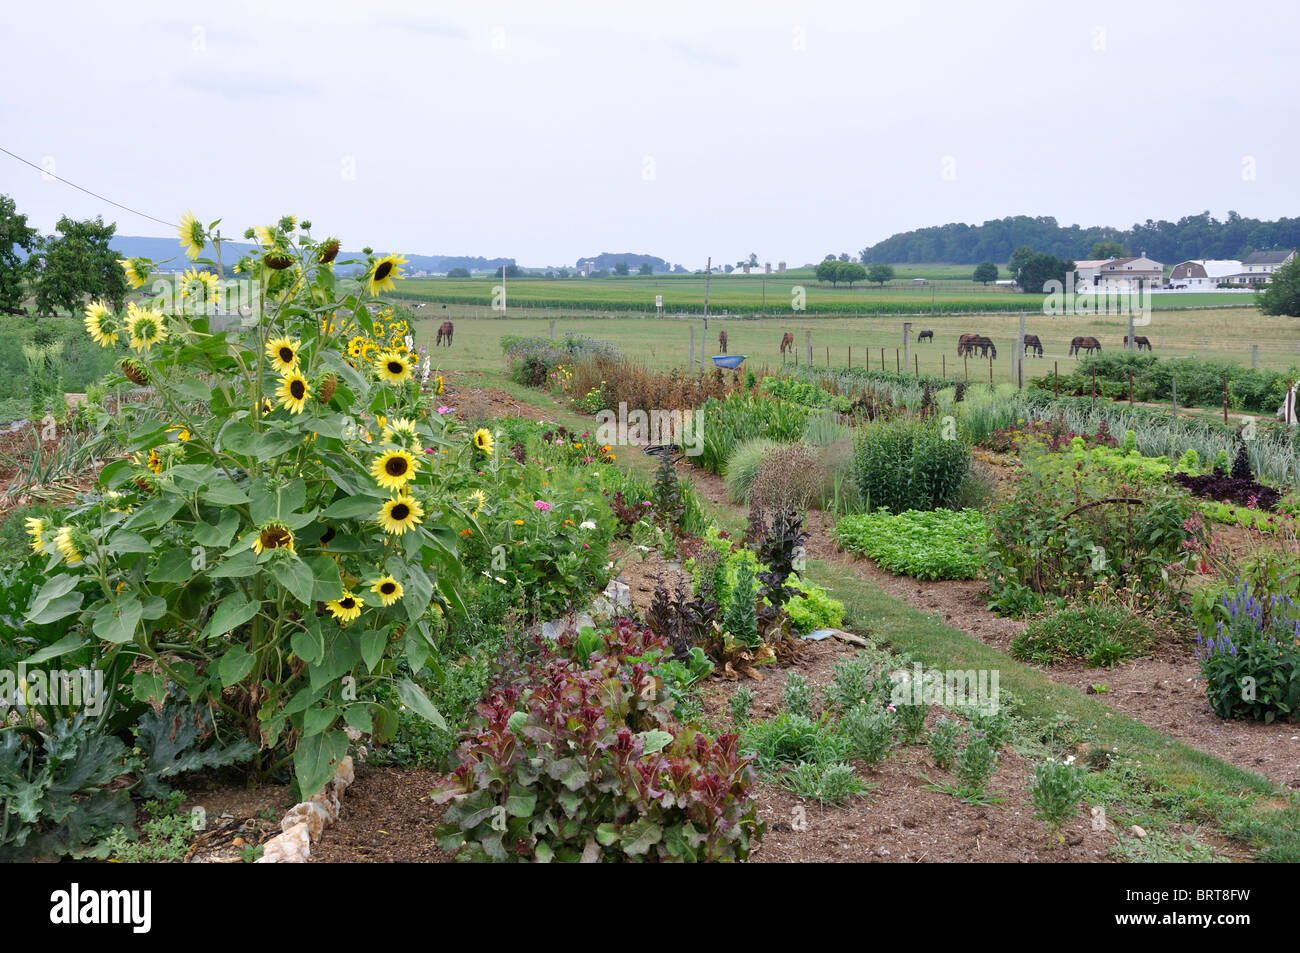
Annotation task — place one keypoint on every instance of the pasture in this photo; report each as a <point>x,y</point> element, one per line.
<point>664,343</point>
<point>755,294</point>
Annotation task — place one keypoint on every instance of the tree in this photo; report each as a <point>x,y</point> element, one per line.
<point>828,270</point>
<point>985,272</point>
<point>646,269</point>
<point>1018,257</point>
<point>849,272</point>
<point>1041,268</point>
<point>844,256</point>
<point>1104,250</point>
<point>620,269</point>
<point>514,271</point>
<point>458,273</point>
<point>753,259</point>
<point>78,263</point>
<point>14,270</point>
<point>879,273</point>
<point>1282,294</point>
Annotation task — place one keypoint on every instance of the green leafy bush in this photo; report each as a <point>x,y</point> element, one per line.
<point>1251,661</point>
<point>910,465</point>
<point>743,465</point>
<point>1101,635</point>
<point>869,733</point>
<point>934,544</point>
<point>1058,788</point>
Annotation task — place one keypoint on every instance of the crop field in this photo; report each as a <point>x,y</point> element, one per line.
<point>664,343</point>
<point>759,294</point>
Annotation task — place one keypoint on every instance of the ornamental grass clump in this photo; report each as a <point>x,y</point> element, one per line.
<point>276,537</point>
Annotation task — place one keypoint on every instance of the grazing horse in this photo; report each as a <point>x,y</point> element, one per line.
<point>1033,344</point>
<point>722,342</point>
<point>1084,344</point>
<point>962,341</point>
<point>926,335</point>
<point>985,345</point>
<point>444,332</point>
<point>787,342</point>
<point>1139,341</point>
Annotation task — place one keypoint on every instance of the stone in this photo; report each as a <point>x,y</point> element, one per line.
<point>328,802</point>
<point>622,594</point>
<point>602,608</point>
<point>551,630</point>
<point>584,621</point>
<point>309,814</point>
<point>291,847</point>
<point>345,772</point>
<point>1137,831</point>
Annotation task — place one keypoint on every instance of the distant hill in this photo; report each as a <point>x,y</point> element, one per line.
<point>606,261</point>
<point>1193,236</point>
<point>163,249</point>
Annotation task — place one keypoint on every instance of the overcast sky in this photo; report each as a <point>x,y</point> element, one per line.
<point>547,131</point>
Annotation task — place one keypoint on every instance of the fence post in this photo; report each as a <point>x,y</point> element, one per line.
<point>943,364</point>
<point>1254,355</point>
<point>1020,353</point>
<point>898,361</point>
<point>552,329</point>
<point>1056,378</point>
<point>1173,393</point>
<point>965,363</point>
<point>882,358</point>
<point>828,355</point>
<point>691,364</point>
<point>1225,398</point>
<point>807,339</point>
<point>1094,387</point>
<point>916,364</point>
<point>907,342</point>
<point>850,357</point>
<point>1130,388</point>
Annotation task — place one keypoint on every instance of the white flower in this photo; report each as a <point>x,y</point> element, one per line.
<point>587,524</point>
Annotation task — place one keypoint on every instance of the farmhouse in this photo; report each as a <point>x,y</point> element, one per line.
<point>1203,274</point>
<point>1129,274</point>
<point>1258,268</point>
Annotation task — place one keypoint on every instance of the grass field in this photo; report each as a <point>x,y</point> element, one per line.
<point>757,294</point>
<point>665,342</point>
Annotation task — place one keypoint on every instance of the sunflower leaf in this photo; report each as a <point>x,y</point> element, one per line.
<point>296,576</point>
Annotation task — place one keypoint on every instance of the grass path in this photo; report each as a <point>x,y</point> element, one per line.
<point>1191,785</point>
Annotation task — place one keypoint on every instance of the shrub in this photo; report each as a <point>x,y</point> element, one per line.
<point>740,704</point>
<point>909,465</point>
<point>790,739</point>
<point>937,544</point>
<point>787,478</point>
<point>797,696</point>
<point>586,764</point>
<point>1101,635</point>
<point>831,783</point>
<point>855,681</point>
<point>975,766</point>
<point>943,742</point>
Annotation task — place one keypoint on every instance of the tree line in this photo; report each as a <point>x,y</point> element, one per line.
<point>1193,236</point>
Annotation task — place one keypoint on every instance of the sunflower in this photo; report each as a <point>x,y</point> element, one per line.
<point>36,529</point>
<point>383,271</point>
<point>355,346</point>
<point>400,514</point>
<point>264,234</point>
<point>200,285</point>
<point>401,431</point>
<point>192,237</point>
<point>438,389</point>
<point>155,462</point>
<point>479,499</point>
<point>67,546</point>
<point>101,324</point>
<point>137,271</point>
<point>346,607</point>
<point>393,469</point>
<point>393,367</point>
<point>483,440</point>
<point>273,535</point>
<point>387,588</point>
<point>267,406</point>
<point>283,353</point>
<point>144,326</point>
<point>293,392</point>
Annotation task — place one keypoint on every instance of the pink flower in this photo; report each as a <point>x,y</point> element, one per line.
<point>646,503</point>
<point>428,449</point>
<point>542,505</point>
<point>444,410</point>
<point>890,708</point>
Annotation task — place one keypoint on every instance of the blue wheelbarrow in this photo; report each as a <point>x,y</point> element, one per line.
<point>729,361</point>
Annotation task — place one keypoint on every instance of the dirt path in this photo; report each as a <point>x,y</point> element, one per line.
<point>1162,693</point>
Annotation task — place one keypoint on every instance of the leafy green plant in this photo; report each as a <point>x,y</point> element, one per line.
<point>1056,792</point>
<point>832,783</point>
<point>743,465</point>
<point>911,721</point>
<point>790,739</point>
<point>910,465</point>
<point>870,734</point>
<point>943,742</point>
<point>935,544</point>
<point>741,619</point>
<point>856,680</point>
<point>740,704</point>
<point>1100,634</point>
<point>1251,662</point>
<point>164,838</point>
<point>974,767</point>
<point>797,696</point>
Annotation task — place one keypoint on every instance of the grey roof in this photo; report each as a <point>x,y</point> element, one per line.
<point>1269,257</point>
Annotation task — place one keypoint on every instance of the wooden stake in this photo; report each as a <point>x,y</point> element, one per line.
<point>1225,398</point>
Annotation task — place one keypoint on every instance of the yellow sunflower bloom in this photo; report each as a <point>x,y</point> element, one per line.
<point>346,607</point>
<point>383,271</point>
<point>387,588</point>
<point>264,234</point>
<point>393,469</point>
<point>36,529</point>
<point>293,392</point>
<point>67,546</point>
<point>200,286</point>
<point>274,535</point>
<point>479,499</point>
<point>355,346</point>
<point>399,515</point>
<point>192,236</point>
<point>101,324</point>
<point>393,367</point>
<point>483,441</point>
<point>137,271</point>
<point>438,389</point>
<point>283,353</point>
<point>144,326</point>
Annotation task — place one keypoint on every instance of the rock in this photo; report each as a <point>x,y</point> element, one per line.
<point>551,630</point>
<point>345,772</point>
<point>291,847</point>
<point>329,803</point>
<point>584,621</point>
<point>1137,831</point>
<point>622,594</point>
<point>602,608</point>
<point>353,734</point>
<point>308,814</point>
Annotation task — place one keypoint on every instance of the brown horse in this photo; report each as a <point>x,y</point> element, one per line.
<point>444,332</point>
<point>722,342</point>
<point>1033,344</point>
<point>926,335</point>
<point>787,342</point>
<point>1139,341</point>
<point>1088,344</point>
<point>967,343</point>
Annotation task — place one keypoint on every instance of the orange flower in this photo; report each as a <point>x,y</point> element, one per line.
<point>467,532</point>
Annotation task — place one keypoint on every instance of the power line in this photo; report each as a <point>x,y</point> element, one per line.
<point>87,191</point>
